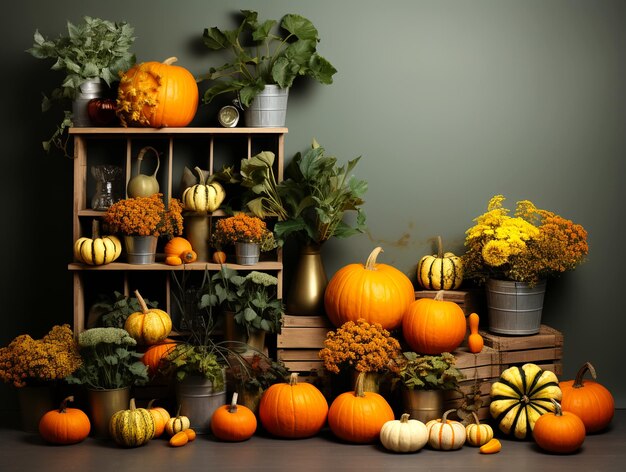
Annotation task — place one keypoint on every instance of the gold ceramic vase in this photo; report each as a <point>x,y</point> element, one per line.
<point>306,295</point>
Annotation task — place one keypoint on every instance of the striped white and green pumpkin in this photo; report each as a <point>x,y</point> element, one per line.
<point>97,250</point>
<point>203,196</point>
<point>520,396</point>
<point>133,427</point>
<point>441,271</point>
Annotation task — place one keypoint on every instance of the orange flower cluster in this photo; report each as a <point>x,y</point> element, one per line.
<point>363,346</point>
<point>145,216</point>
<point>240,228</point>
<point>26,360</point>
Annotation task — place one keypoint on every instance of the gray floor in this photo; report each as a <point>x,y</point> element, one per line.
<point>27,452</point>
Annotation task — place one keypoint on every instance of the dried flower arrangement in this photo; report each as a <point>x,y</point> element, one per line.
<point>145,216</point>
<point>526,247</point>
<point>359,345</point>
<point>27,361</point>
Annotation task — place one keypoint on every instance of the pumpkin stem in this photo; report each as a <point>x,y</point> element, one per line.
<point>557,407</point>
<point>293,379</point>
<point>95,229</point>
<point>444,418</point>
<point>140,158</point>
<point>142,302</point>
<point>439,295</point>
<point>475,416</point>
<point>132,404</point>
<point>63,407</point>
<point>201,178</point>
<point>170,60</point>
<point>358,387</point>
<point>233,403</point>
<point>439,248</point>
<point>150,403</point>
<point>578,383</point>
<point>370,264</point>
<point>405,418</point>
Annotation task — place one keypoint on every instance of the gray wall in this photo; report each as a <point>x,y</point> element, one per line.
<point>449,102</point>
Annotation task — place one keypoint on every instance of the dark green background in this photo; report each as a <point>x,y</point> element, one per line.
<point>448,102</point>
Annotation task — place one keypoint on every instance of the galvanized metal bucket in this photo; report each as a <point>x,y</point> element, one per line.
<point>103,404</point>
<point>268,109</point>
<point>140,249</point>
<point>423,405</point>
<point>247,253</point>
<point>514,308</point>
<point>88,90</point>
<point>198,400</point>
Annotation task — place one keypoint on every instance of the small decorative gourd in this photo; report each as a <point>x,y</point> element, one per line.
<point>133,427</point>
<point>160,416</point>
<point>65,425</point>
<point>521,396</point>
<point>561,432</point>
<point>148,326</point>
<point>180,250</point>
<point>359,416</point>
<point>97,250</point>
<point>205,196</point>
<point>233,422</point>
<point>589,400</point>
<point>177,424</point>
<point>142,185</point>
<point>432,326</point>
<point>404,435</point>
<point>442,271</point>
<point>445,434</point>
<point>293,410</point>
<point>478,433</point>
<point>475,341</point>
<point>493,446</point>
<point>378,293</point>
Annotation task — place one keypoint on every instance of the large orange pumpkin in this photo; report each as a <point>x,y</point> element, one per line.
<point>157,94</point>
<point>358,416</point>
<point>293,410</point>
<point>433,326</point>
<point>589,400</point>
<point>378,293</point>
<point>65,425</point>
<point>148,326</point>
<point>233,422</point>
<point>561,432</point>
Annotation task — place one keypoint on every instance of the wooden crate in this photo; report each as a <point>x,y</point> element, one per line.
<point>300,340</point>
<point>470,301</point>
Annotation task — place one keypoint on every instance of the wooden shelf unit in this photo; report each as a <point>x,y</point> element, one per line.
<point>167,138</point>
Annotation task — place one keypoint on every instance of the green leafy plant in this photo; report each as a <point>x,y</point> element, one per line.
<point>312,200</point>
<point>109,360</point>
<point>93,49</point>
<point>271,58</point>
<point>425,372</point>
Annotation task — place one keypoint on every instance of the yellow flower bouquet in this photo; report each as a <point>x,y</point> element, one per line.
<point>145,216</point>
<point>527,247</point>
<point>243,229</point>
<point>28,361</point>
<point>361,346</point>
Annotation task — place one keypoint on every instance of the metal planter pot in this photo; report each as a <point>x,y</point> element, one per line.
<point>514,308</point>
<point>268,109</point>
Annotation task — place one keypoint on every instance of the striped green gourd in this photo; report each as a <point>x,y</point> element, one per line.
<point>441,271</point>
<point>133,427</point>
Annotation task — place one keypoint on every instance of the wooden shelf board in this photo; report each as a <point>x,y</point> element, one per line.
<point>264,265</point>
<point>171,131</point>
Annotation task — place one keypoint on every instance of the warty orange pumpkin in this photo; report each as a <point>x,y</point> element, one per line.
<point>378,293</point>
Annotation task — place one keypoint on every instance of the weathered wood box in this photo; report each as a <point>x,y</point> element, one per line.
<point>300,340</point>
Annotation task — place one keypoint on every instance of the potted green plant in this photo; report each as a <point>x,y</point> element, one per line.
<point>424,379</point>
<point>91,54</point>
<point>310,205</point>
<point>111,366</point>
<point>265,61</point>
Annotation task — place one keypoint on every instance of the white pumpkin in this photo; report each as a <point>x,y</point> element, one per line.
<point>204,196</point>
<point>445,434</point>
<point>404,435</point>
<point>478,433</point>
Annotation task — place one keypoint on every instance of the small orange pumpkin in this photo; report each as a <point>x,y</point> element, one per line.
<point>589,400</point>
<point>378,293</point>
<point>148,326</point>
<point>433,326</point>
<point>154,355</point>
<point>233,422</point>
<point>65,425</point>
<point>219,257</point>
<point>157,95</point>
<point>358,416</point>
<point>561,432</point>
<point>160,416</point>
<point>293,410</point>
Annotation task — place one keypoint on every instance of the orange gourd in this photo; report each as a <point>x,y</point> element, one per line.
<point>65,425</point>
<point>433,326</point>
<point>293,410</point>
<point>378,293</point>
<point>233,422</point>
<point>561,432</point>
<point>219,257</point>
<point>475,341</point>
<point>359,416</point>
<point>589,400</point>
<point>178,250</point>
<point>154,355</point>
<point>148,326</point>
<point>160,416</point>
<point>191,434</point>
<point>179,439</point>
<point>493,446</point>
<point>173,260</point>
<point>157,94</point>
